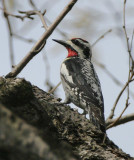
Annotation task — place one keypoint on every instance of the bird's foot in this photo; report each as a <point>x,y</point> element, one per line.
<point>63,103</point>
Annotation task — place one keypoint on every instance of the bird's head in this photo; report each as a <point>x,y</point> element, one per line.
<point>77,47</point>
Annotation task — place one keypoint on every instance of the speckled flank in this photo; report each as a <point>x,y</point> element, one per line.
<point>92,78</point>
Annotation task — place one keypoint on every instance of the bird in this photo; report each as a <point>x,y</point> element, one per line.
<point>80,81</point>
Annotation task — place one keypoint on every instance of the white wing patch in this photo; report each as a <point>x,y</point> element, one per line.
<point>65,72</point>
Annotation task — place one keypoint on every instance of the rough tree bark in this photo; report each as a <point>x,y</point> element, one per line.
<point>34,126</point>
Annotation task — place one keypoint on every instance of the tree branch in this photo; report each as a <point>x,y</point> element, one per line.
<point>122,120</point>
<point>41,42</point>
<point>23,133</point>
<point>125,31</point>
<point>64,129</point>
<point>33,12</point>
<point>117,119</point>
<point>10,34</point>
<point>121,92</point>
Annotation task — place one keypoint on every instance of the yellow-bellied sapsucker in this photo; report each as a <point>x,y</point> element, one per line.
<point>80,81</point>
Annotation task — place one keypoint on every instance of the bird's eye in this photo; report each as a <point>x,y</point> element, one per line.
<point>80,39</point>
<point>75,41</point>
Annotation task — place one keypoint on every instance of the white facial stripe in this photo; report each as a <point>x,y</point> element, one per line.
<point>86,44</point>
<point>79,50</point>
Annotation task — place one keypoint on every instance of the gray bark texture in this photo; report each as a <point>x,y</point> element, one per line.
<point>34,125</point>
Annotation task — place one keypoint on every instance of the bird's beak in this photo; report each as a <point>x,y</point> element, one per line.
<point>64,43</point>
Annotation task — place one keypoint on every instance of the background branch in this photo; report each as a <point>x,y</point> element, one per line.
<point>117,119</point>
<point>10,34</point>
<point>41,42</point>
<point>101,37</point>
<point>33,12</point>
<point>122,120</point>
<point>125,31</point>
<point>121,92</point>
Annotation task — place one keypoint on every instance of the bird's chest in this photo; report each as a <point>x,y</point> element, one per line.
<point>77,69</point>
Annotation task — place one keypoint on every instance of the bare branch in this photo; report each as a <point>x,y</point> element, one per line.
<point>41,41</point>
<point>52,90</point>
<point>121,92</point>
<point>130,75</point>
<point>16,16</point>
<point>131,45</point>
<point>122,120</point>
<point>127,104</point>
<point>24,39</point>
<point>115,80</point>
<point>41,15</point>
<point>102,36</point>
<point>104,68</point>
<point>33,5</point>
<point>117,119</point>
<point>47,71</point>
<point>10,33</point>
<point>63,34</point>
<point>125,31</point>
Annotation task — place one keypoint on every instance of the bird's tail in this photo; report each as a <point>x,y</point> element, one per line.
<point>96,116</point>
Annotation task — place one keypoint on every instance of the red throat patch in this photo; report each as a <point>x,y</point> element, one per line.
<point>71,53</point>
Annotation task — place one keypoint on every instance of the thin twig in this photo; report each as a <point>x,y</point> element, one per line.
<point>47,70</point>
<point>17,69</point>
<point>129,78</point>
<point>63,34</point>
<point>104,68</point>
<point>52,90</point>
<point>33,12</point>
<point>10,34</point>
<point>121,92</point>
<point>117,119</point>
<point>130,57</point>
<point>131,45</point>
<point>102,36</point>
<point>23,38</point>
<point>16,16</point>
<point>49,22</point>
<point>116,81</point>
<point>33,5</point>
<point>122,120</point>
<point>125,31</point>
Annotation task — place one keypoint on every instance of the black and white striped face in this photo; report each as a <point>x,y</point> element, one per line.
<point>77,47</point>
